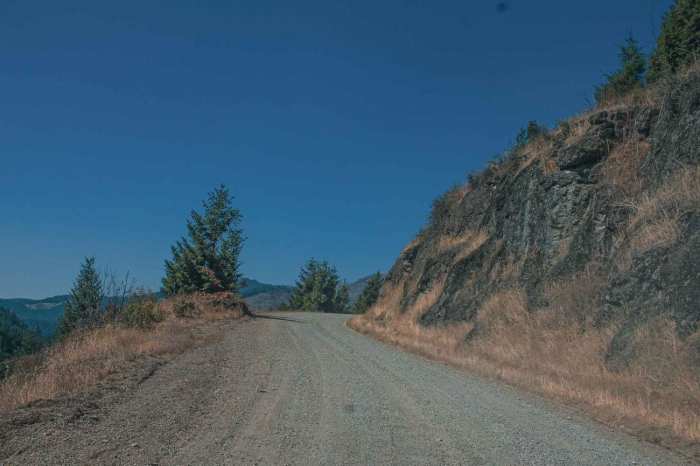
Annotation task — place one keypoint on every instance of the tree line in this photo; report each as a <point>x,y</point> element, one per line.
<point>205,260</point>
<point>677,47</point>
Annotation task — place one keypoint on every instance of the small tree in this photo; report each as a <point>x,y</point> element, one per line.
<point>528,134</point>
<point>318,289</point>
<point>342,298</point>
<point>208,259</point>
<point>83,306</point>
<point>369,295</point>
<point>628,77</point>
<point>678,44</point>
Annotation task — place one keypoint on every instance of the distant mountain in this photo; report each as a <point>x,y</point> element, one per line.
<point>260,295</point>
<point>41,313</point>
<point>358,286</point>
<point>45,313</point>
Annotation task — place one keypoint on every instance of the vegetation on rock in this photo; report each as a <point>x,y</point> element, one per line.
<point>629,77</point>
<point>678,44</point>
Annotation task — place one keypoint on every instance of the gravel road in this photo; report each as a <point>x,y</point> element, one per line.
<point>289,388</point>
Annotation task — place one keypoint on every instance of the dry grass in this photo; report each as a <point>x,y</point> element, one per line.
<point>463,245</point>
<point>648,97</point>
<point>679,194</point>
<point>556,353</point>
<point>657,216</point>
<point>83,359</point>
<point>621,168</point>
<point>578,127</point>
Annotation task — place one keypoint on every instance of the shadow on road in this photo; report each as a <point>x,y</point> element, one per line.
<point>287,319</point>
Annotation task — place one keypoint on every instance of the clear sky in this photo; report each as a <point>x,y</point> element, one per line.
<point>333,123</point>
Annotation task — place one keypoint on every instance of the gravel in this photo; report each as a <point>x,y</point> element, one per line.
<point>289,388</point>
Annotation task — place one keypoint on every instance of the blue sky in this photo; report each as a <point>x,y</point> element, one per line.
<point>334,124</point>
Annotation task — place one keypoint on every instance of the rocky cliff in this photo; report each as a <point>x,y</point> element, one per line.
<point>599,217</point>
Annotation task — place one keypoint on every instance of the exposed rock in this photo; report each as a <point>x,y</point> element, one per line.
<point>545,224</point>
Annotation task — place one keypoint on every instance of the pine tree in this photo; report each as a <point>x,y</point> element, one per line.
<point>369,295</point>
<point>317,289</point>
<point>342,299</point>
<point>208,259</point>
<point>678,44</point>
<point>630,76</point>
<point>83,308</point>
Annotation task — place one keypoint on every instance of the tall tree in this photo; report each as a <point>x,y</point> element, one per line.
<point>369,295</point>
<point>678,44</point>
<point>208,258</point>
<point>318,289</point>
<point>628,77</point>
<point>83,306</point>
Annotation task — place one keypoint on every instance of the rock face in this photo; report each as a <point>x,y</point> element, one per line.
<point>597,203</point>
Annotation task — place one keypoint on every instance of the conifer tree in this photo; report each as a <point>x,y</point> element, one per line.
<point>369,295</point>
<point>342,299</point>
<point>678,44</point>
<point>208,258</point>
<point>83,308</point>
<point>628,77</point>
<point>318,290</point>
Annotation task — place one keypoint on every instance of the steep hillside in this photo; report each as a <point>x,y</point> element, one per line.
<point>575,255</point>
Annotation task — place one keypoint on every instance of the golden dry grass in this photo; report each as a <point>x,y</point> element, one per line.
<point>621,168</point>
<point>556,353</point>
<point>83,359</point>
<point>657,216</point>
<point>463,245</point>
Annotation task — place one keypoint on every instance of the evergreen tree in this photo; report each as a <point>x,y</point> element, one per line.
<point>342,299</point>
<point>630,75</point>
<point>318,290</point>
<point>208,259</point>
<point>83,306</point>
<point>678,44</point>
<point>369,295</point>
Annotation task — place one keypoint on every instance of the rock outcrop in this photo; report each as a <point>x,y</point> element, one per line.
<point>608,203</point>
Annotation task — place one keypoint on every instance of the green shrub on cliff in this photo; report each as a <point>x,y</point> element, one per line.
<point>678,44</point>
<point>628,77</point>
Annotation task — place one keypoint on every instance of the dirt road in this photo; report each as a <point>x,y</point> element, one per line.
<point>303,389</point>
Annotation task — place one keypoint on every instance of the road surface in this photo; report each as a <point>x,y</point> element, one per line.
<point>290,388</point>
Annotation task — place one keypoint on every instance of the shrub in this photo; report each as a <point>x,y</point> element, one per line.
<point>532,131</point>
<point>142,311</point>
<point>628,77</point>
<point>185,309</point>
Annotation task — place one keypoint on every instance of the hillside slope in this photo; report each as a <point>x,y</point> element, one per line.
<point>575,255</point>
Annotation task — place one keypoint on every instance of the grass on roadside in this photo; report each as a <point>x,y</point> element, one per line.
<point>84,358</point>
